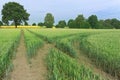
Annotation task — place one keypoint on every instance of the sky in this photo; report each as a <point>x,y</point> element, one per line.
<point>68,9</point>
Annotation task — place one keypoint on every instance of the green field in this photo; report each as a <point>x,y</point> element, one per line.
<point>101,47</point>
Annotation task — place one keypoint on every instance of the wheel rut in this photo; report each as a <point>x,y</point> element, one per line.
<point>36,69</point>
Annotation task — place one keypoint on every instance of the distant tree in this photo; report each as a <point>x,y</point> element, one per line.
<point>85,25</point>
<point>115,23</point>
<point>93,21</point>
<point>108,21</point>
<point>26,23</point>
<point>71,23</point>
<point>61,24</point>
<point>40,24</point>
<point>79,20</point>
<point>34,24</point>
<point>1,23</point>
<point>101,24</point>
<point>49,20</point>
<point>104,24</point>
<point>13,11</point>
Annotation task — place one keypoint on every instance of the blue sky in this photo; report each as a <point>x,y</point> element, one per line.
<point>67,9</point>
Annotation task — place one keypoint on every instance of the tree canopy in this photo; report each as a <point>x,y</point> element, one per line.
<point>26,23</point>
<point>93,21</point>
<point>61,24</point>
<point>15,12</point>
<point>115,23</point>
<point>49,20</point>
<point>1,23</point>
<point>71,23</point>
<point>34,24</point>
<point>79,20</point>
<point>40,24</point>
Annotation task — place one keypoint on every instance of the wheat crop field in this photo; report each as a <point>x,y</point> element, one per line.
<point>59,54</point>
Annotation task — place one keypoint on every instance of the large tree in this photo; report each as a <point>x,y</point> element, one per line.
<point>93,21</point>
<point>13,11</point>
<point>49,20</point>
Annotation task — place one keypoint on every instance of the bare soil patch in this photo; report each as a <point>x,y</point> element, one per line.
<point>21,70</point>
<point>38,66</point>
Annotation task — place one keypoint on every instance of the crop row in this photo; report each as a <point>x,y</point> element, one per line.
<point>8,42</point>
<point>62,71</point>
<point>32,43</point>
<point>63,67</point>
<point>104,50</point>
<point>60,41</point>
<point>66,46</point>
<point>51,35</point>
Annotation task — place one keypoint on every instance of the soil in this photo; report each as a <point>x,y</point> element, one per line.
<point>38,66</point>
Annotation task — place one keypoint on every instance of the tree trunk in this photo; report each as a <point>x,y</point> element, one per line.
<point>15,23</point>
<point>15,26</point>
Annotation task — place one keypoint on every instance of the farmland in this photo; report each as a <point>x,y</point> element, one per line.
<point>61,51</point>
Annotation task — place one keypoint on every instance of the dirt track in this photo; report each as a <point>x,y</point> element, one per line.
<point>23,70</point>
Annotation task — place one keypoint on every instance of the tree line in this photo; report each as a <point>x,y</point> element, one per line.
<point>15,12</point>
<point>91,22</point>
<point>80,22</point>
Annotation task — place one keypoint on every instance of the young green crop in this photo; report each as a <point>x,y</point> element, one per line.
<point>66,46</point>
<point>102,46</point>
<point>8,42</point>
<point>62,44</point>
<point>63,67</point>
<point>51,35</point>
<point>32,43</point>
<point>104,49</point>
